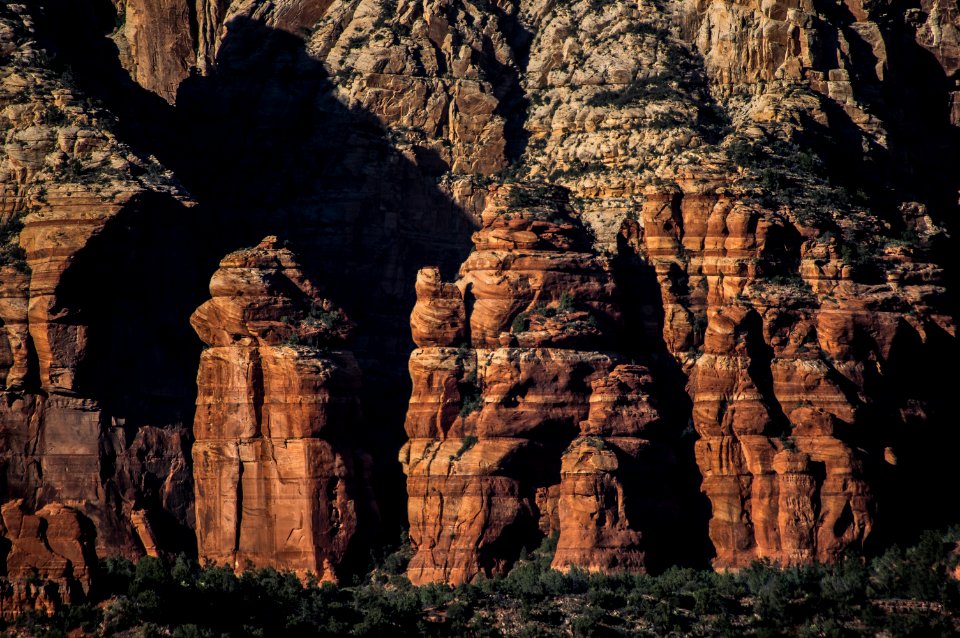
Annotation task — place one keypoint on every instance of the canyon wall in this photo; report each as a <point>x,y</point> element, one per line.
<point>92,463</point>
<point>705,317</point>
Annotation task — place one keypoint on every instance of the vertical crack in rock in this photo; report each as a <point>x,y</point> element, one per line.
<point>238,516</point>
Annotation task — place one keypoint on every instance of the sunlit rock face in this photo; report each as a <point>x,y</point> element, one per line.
<point>523,420</point>
<point>277,482</point>
<point>755,230</point>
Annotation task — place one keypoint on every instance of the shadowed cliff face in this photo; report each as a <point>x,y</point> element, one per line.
<point>265,147</point>
<point>271,149</point>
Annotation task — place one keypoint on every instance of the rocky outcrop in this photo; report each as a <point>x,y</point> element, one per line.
<point>437,74</point>
<point>757,198</point>
<point>616,103</point>
<point>156,43</point>
<point>83,472</point>
<point>793,444</point>
<point>714,179</point>
<point>793,499</point>
<point>278,483</point>
<point>611,477</point>
<point>530,424</point>
<point>49,558</point>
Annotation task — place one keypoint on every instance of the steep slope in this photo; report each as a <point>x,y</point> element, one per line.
<point>791,280</point>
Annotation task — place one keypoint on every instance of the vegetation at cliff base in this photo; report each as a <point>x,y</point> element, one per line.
<point>899,593</point>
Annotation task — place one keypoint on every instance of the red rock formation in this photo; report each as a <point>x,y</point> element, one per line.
<point>489,420</point>
<point>83,471</point>
<point>607,474</point>
<point>14,349</point>
<point>785,443</point>
<point>276,482</point>
<point>782,486</point>
<point>49,560</point>
<point>156,42</point>
<point>806,330</point>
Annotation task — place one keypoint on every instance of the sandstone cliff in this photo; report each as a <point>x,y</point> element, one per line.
<point>50,559</point>
<point>771,272</point>
<point>523,420</point>
<point>278,482</point>
<point>758,206</point>
<point>89,473</point>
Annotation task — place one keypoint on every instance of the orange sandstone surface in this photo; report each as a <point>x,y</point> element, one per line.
<point>523,421</point>
<point>278,482</point>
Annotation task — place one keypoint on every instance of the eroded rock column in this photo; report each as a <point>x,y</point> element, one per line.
<point>278,482</point>
<point>523,421</point>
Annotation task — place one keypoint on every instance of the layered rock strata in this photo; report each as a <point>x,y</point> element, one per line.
<point>785,297</point>
<point>773,321</point>
<point>277,482</point>
<point>611,477</point>
<point>773,173</point>
<point>84,473</point>
<point>522,420</point>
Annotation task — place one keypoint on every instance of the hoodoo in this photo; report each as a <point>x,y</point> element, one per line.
<point>278,481</point>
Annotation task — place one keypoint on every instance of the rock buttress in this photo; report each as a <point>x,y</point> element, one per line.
<point>278,483</point>
<point>523,421</point>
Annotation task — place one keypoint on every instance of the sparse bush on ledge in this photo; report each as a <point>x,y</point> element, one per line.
<point>11,253</point>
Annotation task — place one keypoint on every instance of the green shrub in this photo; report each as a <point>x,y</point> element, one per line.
<point>529,195</point>
<point>468,442</point>
<point>470,404</point>
<point>11,253</point>
<point>520,323</point>
<point>180,598</point>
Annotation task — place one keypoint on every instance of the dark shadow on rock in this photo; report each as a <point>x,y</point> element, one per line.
<point>512,100</point>
<point>135,284</point>
<point>680,536</point>
<point>912,409</point>
<point>265,146</point>
<point>915,413</point>
<point>912,99</point>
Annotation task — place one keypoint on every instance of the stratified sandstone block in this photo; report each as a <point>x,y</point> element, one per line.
<point>467,511</point>
<point>608,486</point>
<point>277,482</point>
<point>439,317</point>
<point>783,483</point>
<point>596,532</point>
<point>489,421</point>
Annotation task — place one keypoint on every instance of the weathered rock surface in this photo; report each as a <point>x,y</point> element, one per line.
<point>49,559</point>
<point>156,43</point>
<point>523,429</point>
<point>277,482</point>
<point>84,474</point>
<point>766,188</point>
<point>767,298</point>
<point>610,477</point>
<point>792,437</point>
